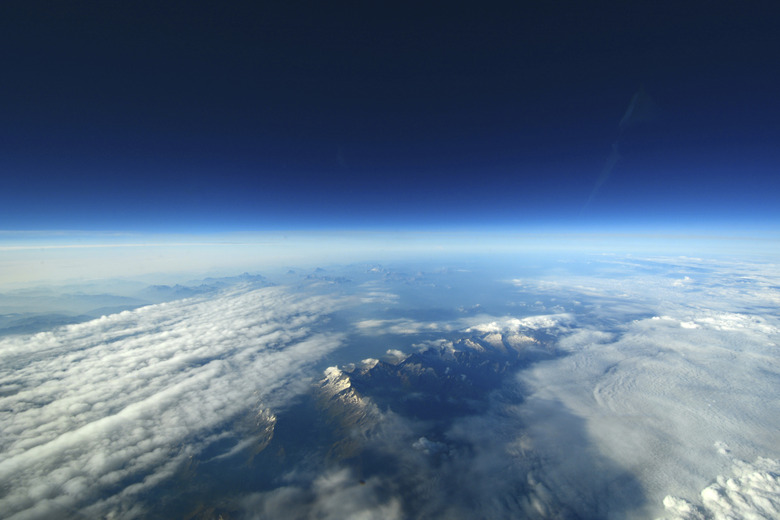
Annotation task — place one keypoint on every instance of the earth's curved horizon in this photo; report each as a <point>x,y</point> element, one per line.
<point>389,260</point>
<point>537,386</point>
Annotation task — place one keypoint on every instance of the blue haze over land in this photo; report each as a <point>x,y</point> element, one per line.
<point>376,262</point>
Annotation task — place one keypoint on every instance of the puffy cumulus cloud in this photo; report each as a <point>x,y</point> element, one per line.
<point>682,282</point>
<point>334,495</point>
<point>752,492</point>
<point>95,413</point>
<point>394,356</point>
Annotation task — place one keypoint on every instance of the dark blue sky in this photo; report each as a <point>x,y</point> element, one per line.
<point>193,116</point>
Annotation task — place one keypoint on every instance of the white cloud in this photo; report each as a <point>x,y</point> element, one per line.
<point>648,379</point>
<point>334,495</point>
<point>513,328</point>
<point>379,297</point>
<point>394,356</point>
<point>400,326</point>
<point>752,492</point>
<point>93,413</point>
<point>518,325</point>
<point>96,413</point>
<point>583,337</point>
<point>655,392</point>
<point>736,321</point>
<point>429,447</point>
<point>682,282</point>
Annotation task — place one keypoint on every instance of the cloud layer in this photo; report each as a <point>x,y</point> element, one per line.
<point>666,358</point>
<point>97,412</point>
<point>653,367</point>
<point>617,393</point>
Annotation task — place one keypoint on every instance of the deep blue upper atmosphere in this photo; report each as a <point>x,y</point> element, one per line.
<point>195,116</point>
